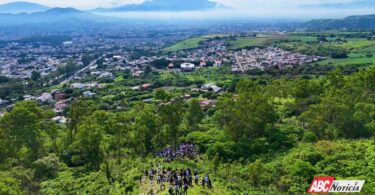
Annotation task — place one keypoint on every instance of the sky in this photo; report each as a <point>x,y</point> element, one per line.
<point>241,4</point>
<point>260,8</point>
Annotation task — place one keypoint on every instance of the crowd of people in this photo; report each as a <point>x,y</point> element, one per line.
<point>183,150</point>
<point>179,181</point>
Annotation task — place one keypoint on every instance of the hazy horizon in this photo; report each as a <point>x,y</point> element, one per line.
<point>281,9</point>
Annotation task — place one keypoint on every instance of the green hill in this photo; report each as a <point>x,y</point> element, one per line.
<point>365,22</point>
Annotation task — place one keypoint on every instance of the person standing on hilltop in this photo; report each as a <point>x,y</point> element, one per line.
<point>209,184</point>
<point>206,178</point>
<point>177,190</point>
<point>170,190</point>
<point>186,187</point>
<point>190,180</point>
<point>196,179</point>
<point>178,179</point>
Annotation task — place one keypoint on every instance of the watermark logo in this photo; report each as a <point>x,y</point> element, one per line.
<point>328,184</point>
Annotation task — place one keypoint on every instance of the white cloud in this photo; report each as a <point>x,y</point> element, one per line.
<point>233,3</point>
<point>254,4</point>
<point>82,4</point>
<point>244,8</point>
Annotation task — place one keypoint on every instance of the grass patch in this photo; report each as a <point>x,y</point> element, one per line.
<point>356,44</point>
<point>191,43</point>
<point>119,78</point>
<point>243,42</point>
<point>296,38</point>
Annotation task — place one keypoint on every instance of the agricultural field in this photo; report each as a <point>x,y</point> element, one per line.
<point>358,59</point>
<point>355,44</point>
<point>296,38</point>
<point>360,51</point>
<point>243,42</point>
<point>258,41</point>
<point>190,43</point>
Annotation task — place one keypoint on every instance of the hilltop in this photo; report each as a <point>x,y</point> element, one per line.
<point>61,16</point>
<point>22,7</point>
<point>364,22</point>
<point>166,5</point>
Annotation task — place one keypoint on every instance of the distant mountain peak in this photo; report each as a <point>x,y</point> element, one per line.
<point>357,22</point>
<point>166,5</point>
<point>66,10</point>
<point>64,16</point>
<point>343,5</point>
<point>22,7</point>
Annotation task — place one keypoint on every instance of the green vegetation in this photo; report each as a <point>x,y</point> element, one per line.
<point>51,39</point>
<point>340,48</point>
<point>191,43</point>
<point>243,42</point>
<point>268,132</point>
<point>264,136</point>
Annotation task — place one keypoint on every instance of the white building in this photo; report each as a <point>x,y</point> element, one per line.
<point>187,66</point>
<point>45,97</point>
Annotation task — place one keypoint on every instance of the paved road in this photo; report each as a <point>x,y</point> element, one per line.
<point>92,64</point>
<point>239,62</point>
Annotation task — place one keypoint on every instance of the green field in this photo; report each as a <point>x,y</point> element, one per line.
<point>211,36</point>
<point>349,61</point>
<point>360,50</point>
<point>361,53</point>
<point>296,38</point>
<point>185,44</point>
<point>356,44</point>
<point>243,42</point>
<point>147,187</point>
<point>191,43</point>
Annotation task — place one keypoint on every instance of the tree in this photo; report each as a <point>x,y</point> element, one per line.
<point>172,115</point>
<point>147,125</point>
<point>322,38</point>
<point>47,167</point>
<point>147,70</point>
<point>77,112</point>
<point>194,114</point>
<point>10,185</point>
<point>52,130</point>
<point>68,69</point>
<point>160,63</point>
<point>161,94</point>
<point>331,118</point>
<point>21,131</point>
<point>246,117</point>
<point>127,74</point>
<point>90,139</point>
<point>255,172</point>
<point>35,75</point>
<point>86,59</point>
<point>119,125</point>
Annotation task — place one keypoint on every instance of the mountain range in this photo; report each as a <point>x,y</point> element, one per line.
<point>21,13</point>
<point>51,16</point>
<point>22,7</point>
<point>69,17</point>
<point>149,5</point>
<point>343,5</point>
<point>363,22</point>
<point>166,5</point>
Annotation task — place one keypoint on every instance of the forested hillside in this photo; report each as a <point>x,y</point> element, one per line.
<point>267,136</point>
<point>361,22</point>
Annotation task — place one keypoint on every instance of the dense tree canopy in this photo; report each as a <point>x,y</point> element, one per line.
<point>268,136</point>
